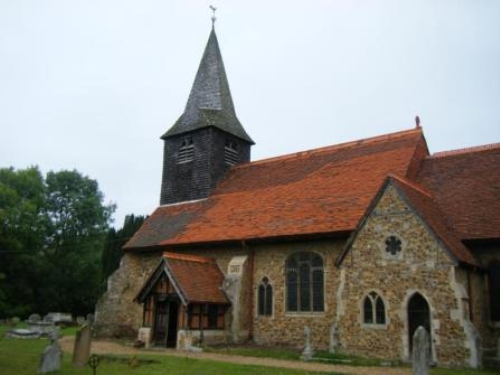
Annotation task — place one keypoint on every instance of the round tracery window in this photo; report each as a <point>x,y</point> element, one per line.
<point>393,245</point>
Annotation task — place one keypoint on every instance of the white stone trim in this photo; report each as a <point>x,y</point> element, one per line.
<point>472,336</point>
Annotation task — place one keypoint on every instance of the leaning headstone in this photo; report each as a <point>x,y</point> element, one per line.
<point>50,360</point>
<point>421,351</point>
<point>308,351</point>
<point>81,351</point>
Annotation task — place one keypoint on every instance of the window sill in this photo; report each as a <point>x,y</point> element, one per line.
<point>302,314</point>
<point>374,326</point>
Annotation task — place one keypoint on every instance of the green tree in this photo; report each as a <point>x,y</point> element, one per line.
<point>51,239</point>
<point>115,240</point>
<point>78,221</point>
<point>22,230</point>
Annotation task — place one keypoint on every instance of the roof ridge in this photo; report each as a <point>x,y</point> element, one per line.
<point>412,184</point>
<point>338,146</point>
<point>192,201</point>
<point>466,150</point>
<point>188,257</point>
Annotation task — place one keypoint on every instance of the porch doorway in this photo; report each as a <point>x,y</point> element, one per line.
<point>166,321</point>
<point>418,315</point>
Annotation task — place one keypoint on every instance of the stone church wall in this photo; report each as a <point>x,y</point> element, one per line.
<point>491,330</point>
<point>117,315</point>
<point>421,266</point>
<point>287,328</point>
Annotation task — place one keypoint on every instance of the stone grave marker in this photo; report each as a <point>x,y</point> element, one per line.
<point>334,338</point>
<point>35,318</point>
<point>308,351</point>
<point>50,360</point>
<point>421,351</point>
<point>81,351</point>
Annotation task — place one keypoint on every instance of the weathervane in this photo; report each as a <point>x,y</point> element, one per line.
<point>213,15</point>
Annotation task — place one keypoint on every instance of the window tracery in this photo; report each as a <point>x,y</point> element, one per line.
<point>304,282</point>
<point>373,309</point>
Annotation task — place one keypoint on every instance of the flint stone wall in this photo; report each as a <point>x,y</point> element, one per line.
<point>422,266</point>
<point>287,328</point>
<point>117,315</point>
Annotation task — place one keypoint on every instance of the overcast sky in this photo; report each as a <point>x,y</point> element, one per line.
<point>92,84</point>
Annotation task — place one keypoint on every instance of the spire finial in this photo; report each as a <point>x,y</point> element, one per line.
<point>417,121</point>
<point>213,15</point>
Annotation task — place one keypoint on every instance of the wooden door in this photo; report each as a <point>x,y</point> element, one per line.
<point>161,323</point>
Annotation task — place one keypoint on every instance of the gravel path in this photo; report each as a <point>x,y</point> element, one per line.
<point>111,347</point>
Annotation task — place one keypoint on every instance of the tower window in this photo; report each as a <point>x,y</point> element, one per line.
<point>186,151</point>
<point>231,153</point>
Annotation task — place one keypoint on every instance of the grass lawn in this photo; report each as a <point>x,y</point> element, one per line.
<point>337,358</point>
<point>21,357</point>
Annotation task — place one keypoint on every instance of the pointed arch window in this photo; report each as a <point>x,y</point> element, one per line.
<point>265,298</point>
<point>373,309</point>
<point>304,283</point>
<point>231,153</point>
<point>186,151</point>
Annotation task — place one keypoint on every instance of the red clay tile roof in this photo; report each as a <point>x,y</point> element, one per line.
<point>164,223</point>
<point>466,184</point>
<point>423,203</point>
<point>321,191</point>
<point>199,278</point>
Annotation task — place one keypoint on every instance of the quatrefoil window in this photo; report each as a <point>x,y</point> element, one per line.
<point>393,245</point>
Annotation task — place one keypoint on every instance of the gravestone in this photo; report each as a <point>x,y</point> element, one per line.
<point>144,335</point>
<point>35,318</point>
<point>421,351</point>
<point>334,338</point>
<point>81,351</point>
<point>50,360</point>
<point>308,351</point>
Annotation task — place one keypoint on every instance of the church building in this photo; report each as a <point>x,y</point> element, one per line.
<point>361,242</point>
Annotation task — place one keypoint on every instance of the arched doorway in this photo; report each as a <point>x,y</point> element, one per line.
<point>418,315</point>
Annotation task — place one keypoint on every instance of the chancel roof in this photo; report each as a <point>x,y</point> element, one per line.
<point>319,192</point>
<point>210,102</point>
<point>466,183</point>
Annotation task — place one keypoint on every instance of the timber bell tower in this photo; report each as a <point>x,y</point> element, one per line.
<point>207,139</point>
